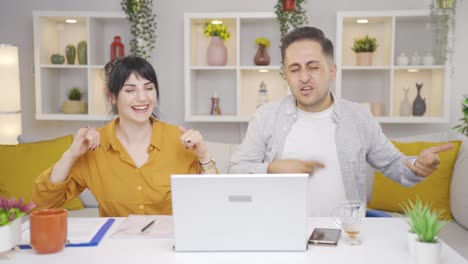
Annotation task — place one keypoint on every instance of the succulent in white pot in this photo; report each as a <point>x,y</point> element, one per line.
<point>426,224</point>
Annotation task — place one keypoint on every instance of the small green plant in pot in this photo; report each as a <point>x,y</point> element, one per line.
<point>74,104</point>
<point>364,47</point>
<point>426,224</point>
<point>463,126</point>
<point>74,94</point>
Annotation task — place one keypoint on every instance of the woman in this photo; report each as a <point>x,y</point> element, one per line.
<point>126,164</point>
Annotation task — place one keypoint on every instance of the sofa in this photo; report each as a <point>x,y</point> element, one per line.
<point>455,233</point>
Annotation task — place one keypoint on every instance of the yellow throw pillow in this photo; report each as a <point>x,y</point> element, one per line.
<point>388,195</point>
<point>21,164</point>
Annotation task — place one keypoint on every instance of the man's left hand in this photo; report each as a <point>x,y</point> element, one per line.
<point>428,160</point>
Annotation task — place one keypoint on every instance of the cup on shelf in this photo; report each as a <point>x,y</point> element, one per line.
<point>428,59</point>
<point>415,59</point>
<point>402,59</point>
<point>48,230</point>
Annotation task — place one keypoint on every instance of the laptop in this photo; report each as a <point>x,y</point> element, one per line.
<point>240,212</point>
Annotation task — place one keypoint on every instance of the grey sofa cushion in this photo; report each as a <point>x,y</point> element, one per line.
<point>459,187</point>
<point>88,199</point>
<point>456,237</point>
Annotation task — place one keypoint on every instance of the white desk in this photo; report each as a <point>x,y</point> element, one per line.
<point>384,241</point>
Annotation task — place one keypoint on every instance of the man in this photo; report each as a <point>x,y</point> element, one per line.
<point>311,131</point>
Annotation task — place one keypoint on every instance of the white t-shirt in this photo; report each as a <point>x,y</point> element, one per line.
<point>312,137</point>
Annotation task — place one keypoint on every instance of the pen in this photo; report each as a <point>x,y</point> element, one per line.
<point>148,225</point>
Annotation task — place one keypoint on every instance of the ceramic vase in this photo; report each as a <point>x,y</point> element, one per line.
<point>215,109</point>
<point>70,52</point>
<point>57,59</point>
<point>82,53</point>
<point>427,253</point>
<point>262,58</point>
<point>419,104</point>
<point>216,54</point>
<point>117,48</point>
<point>405,105</point>
<point>10,235</point>
<point>363,58</point>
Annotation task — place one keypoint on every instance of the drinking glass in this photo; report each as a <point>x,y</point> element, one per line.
<point>349,216</point>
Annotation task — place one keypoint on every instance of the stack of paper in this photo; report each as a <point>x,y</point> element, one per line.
<point>132,226</point>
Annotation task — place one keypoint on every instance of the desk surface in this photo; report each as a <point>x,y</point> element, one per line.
<point>384,241</point>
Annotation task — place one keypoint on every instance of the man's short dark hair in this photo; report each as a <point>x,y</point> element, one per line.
<point>307,33</point>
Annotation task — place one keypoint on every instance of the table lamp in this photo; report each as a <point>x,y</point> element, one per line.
<point>10,104</point>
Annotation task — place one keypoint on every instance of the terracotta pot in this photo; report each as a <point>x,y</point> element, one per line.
<point>48,230</point>
<point>363,58</point>
<point>289,5</point>
<point>216,54</point>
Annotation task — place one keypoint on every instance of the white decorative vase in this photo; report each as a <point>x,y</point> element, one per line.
<point>427,253</point>
<point>10,235</point>
<point>405,105</point>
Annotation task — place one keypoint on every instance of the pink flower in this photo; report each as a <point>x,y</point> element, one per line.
<point>10,209</point>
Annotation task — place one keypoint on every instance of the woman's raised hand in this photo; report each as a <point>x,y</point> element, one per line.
<point>193,139</point>
<point>86,139</point>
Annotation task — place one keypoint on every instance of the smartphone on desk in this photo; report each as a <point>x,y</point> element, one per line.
<point>325,236</point>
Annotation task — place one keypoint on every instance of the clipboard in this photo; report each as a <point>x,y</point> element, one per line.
<point>92,243</point>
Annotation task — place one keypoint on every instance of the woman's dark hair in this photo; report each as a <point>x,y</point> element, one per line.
<point>307,33</point>
<point>119,69</point>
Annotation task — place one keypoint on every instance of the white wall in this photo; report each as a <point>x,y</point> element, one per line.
<point>17,28</point>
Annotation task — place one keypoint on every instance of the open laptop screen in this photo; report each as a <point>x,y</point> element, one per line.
<point>240,212</point>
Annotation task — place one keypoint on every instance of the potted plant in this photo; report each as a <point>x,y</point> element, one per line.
<point>11,211</point>
<point>364,47</point>
<point>426,224</point>
<point>463,126</point>
<point>216,54</point>
<point>290,15</point>
<point>443,21</point>
<point>261,56</point>
<point>142,26</point>
<point>74,104</point>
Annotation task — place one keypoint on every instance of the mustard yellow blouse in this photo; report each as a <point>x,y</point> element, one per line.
<point>118,185</point>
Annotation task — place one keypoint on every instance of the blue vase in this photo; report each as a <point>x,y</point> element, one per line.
<point>419,104</point>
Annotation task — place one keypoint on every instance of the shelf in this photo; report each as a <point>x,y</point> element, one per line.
<point>366,68</point>
<point>214,118</point>
<point>384,82</point>
<point>207,68</point>
<point>72,117</point>
<point>380,27</point>
<point>237,83</point>
<point>410,120</point>
<point>52,81</point>
<point>64,66</point>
